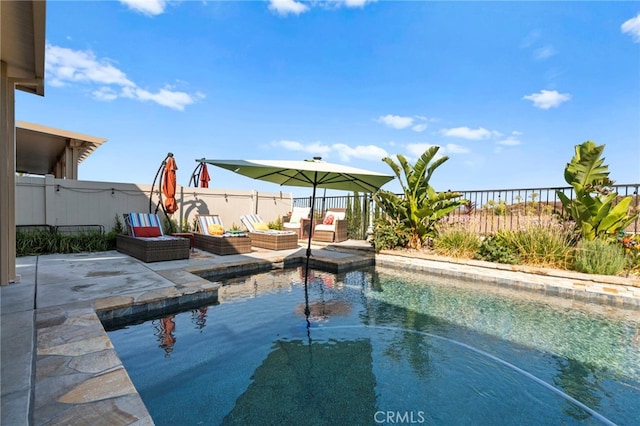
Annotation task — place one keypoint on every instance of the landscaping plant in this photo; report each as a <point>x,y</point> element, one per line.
<point>420,207</point>
<point>354,217</point>
<point>599,256</point>
<point>631,246</point>
<point>456,240</point>
<point>388,236</point>
<point>592,208</point>
<point>541,245</point>
<point>496,248</point>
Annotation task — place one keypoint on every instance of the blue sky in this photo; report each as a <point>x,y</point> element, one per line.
<point>506,89</point>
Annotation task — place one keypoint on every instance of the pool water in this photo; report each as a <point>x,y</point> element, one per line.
<point>385,347</point>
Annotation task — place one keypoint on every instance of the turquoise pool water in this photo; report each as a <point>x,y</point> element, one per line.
<point>385,347</point>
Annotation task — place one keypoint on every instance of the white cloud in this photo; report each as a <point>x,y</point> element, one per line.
<point>417,149</point>
<point>509,141</point>
<point>516,133</point>
<point>343,151</point>
<point>632,27</point>
<point>402,122</point>
<point>396,121</point>
<point>105,94</point>
<point>553,73</point>
<point>285,7</point>
<point>146,7</point>
<point>361,152</point>
<point>313,148</point>
<point>164,97</point>
<point>530,39</point>
<point>543,53</point>
<point>452,148</point>
<point>66,66</point>
<point>357,3</point>
<point>467,133</point>
<point>547,99</point>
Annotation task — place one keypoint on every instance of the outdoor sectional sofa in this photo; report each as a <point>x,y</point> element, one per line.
<point>228,242</point>
<point>263,237</point>
<point>146,241</point>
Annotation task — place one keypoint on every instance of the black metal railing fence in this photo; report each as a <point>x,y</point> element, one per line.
<point>487,211</point>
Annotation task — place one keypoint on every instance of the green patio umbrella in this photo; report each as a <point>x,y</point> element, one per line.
<point>309,173</point>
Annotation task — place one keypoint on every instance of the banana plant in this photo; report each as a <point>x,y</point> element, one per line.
<point>420,207</point>
<point>592,209</point>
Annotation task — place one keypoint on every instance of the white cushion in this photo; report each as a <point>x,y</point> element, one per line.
<point>299,213</point>
<point>336,215</point>
<point>323,227</point>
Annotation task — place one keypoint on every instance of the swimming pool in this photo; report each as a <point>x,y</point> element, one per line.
<point>385,347</point>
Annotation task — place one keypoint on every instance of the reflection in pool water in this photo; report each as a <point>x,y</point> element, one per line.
<point>386,347</point>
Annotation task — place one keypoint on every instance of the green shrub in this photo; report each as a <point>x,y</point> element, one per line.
<point>497,249</point>
<point>389,236</point>
<point>276,224</point>
<point>45,242</point>
<point>456,241</point>
<point>118,226</point>
<point>185,227</point>
<point>541,245</point>
<point>599,257</point>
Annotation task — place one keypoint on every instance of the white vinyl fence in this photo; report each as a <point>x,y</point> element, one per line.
<point>64,202</point>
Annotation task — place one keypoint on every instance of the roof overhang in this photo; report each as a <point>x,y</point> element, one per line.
<point>23,43</point>
<point>45,150</point>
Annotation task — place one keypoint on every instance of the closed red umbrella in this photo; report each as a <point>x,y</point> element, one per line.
<point>204,177</point>
<point>169,185</point>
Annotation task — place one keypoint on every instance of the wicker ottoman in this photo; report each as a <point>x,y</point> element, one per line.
<point>324,236</point>
<point>274,240</point>
<point>223,245</point>
<point>153,249</point>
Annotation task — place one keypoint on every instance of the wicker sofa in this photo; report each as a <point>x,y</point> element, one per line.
<point>229,242</point>
<point>146,241</point>
<point>333,228</point>
<point>271,239</point>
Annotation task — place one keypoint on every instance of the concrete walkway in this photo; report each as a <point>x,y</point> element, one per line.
<point>59,367</point>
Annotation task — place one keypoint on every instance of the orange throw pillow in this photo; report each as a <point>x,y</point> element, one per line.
<point>146,231</point>
<point>328,220</point>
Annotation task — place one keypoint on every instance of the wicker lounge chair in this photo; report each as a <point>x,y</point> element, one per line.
<point>296,221</point>
<point>147,242</point>
<point>333,227</point>
<point>268,238</point>
<point>229,242</point>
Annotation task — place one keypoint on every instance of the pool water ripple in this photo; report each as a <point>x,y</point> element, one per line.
<point>383,348</point>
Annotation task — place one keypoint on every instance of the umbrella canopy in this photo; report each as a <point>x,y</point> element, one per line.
<point>169,185</point>
<point>313,173</point>
<point>204,176</point>
<point>310,173</point>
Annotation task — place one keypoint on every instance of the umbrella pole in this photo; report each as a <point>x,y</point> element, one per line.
<point>153,185</point>
<point>307,312</point>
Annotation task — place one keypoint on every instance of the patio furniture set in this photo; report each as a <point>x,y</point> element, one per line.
<point>146,241</point>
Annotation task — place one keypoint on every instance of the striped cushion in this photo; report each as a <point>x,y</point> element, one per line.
<point>249,220</point>
<point>144,219</point>
<point>204,221</point>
